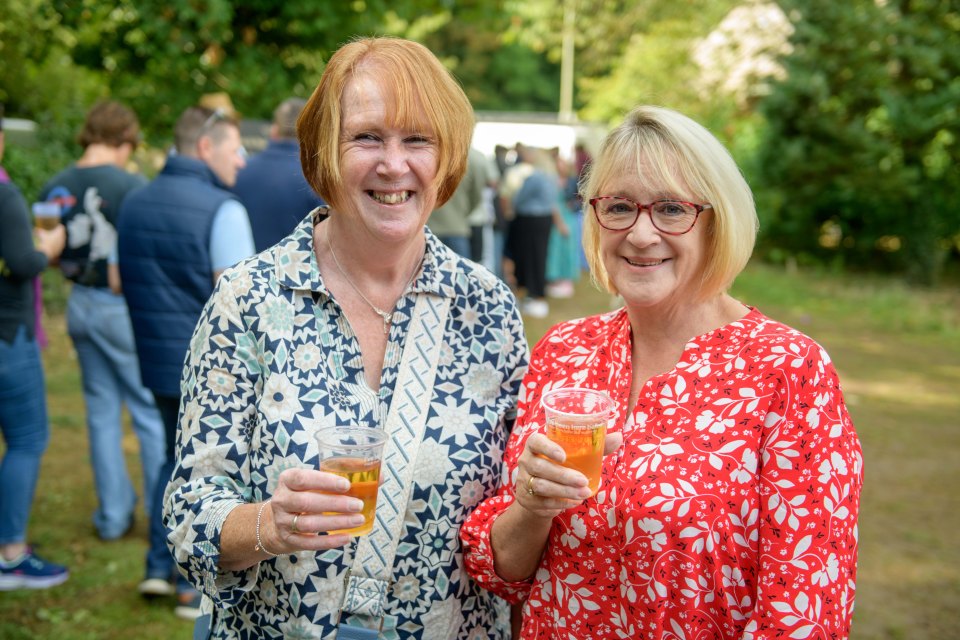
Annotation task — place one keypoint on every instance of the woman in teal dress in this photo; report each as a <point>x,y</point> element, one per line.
<point>563,251</point>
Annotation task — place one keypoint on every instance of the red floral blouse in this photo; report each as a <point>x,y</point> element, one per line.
<point>729,512</point>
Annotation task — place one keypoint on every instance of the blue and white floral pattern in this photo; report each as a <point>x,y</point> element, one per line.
<point>273,359</point>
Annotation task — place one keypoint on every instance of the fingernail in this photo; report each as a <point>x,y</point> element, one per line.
<point>357,520</point>
<point>343,484</point>
<point>356,505</point>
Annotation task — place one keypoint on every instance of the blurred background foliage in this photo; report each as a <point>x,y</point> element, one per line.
<point>843,115</point>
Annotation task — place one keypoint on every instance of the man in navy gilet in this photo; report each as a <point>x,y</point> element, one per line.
<point>176,236</point>
<point>272,186</point>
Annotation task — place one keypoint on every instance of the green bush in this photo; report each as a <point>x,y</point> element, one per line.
<point>52,150</point>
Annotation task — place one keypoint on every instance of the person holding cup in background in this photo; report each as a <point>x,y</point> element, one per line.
<point>729,497</point>
<point>24,254</point>
<point>361,318</point>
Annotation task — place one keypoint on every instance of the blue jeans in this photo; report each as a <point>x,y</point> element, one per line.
<point>99,324</point>
<point>23,421</point>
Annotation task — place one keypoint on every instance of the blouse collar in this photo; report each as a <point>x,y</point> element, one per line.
<point>297,268</point>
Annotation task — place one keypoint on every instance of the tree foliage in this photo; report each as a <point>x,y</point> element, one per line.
<point>855,147</point>
<point>861,149</point>
<point>496,75</point>
<point>258,51</point>
<point>41,81</point>
<point>627,52</point>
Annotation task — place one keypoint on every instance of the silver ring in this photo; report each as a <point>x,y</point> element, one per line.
<point>530,491</point>
<point>293,525</point>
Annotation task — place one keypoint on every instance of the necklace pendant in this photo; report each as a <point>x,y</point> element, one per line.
<point>387,318</point>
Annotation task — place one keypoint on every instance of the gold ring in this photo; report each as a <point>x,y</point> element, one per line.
<point>530,491</point>
<point>293,526</point>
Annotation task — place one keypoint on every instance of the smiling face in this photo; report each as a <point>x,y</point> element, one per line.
<point>389,173</point>
<point>647,267</point>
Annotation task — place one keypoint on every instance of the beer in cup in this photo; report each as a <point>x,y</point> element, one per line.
<point>577,420</point>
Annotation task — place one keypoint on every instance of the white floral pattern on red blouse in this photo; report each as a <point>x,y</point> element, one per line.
<point>731,510</point>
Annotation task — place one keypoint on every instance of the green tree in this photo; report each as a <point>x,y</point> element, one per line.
<point>161,57</point>
<point>860,153</point>
<point>496,75</point>
<point>41,82</point>
<point>627,52</point>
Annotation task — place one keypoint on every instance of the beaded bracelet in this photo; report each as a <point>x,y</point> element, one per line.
<point>260,546</point>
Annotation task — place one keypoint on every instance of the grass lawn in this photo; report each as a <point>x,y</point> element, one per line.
<point>898,354</point>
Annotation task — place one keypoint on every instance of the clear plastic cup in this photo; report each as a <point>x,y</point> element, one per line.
<point>577,420</point>
<point>354,453</point>
<point>46,215</point>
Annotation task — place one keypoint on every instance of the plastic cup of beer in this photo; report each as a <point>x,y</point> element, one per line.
<point>577,420</point>
<point>354,453</point>
<point>46,215</point>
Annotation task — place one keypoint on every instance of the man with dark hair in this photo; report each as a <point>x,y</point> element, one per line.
<point>272,186</point>
<point>89,194</point>
<point>176,235</point>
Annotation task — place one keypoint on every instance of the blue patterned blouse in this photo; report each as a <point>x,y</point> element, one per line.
<point>273,359</point>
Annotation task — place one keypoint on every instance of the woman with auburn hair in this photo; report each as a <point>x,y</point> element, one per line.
<point>360,317</point>
<point>730,486</point>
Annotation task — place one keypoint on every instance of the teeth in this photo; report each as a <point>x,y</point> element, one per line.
<point>391,198</point>
<point>652,263</point>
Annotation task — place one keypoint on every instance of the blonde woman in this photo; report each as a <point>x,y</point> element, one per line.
<point>729,496</point>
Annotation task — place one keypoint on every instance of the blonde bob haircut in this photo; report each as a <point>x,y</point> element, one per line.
<point>421,96</point>
<point>671,152</point>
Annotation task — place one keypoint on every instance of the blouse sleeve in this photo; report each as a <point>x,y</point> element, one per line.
<point>17,255</point>
<point>811,473</point>
<point>475,532</point>
<point>212,474</point>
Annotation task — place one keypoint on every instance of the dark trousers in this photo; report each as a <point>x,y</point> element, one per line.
<point>476,243</point>
<point>160,562</point>
<point>529,237</point>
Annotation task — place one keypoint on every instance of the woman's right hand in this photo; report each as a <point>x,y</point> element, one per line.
<point>319,503</point>
<point>544,487</point>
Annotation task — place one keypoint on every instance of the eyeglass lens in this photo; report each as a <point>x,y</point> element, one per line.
<point>667,215</point>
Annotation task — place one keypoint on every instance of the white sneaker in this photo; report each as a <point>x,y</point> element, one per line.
<point>535,308</point>
<point>155,588</point>
<point>188,605</point>
<point>560,289</point>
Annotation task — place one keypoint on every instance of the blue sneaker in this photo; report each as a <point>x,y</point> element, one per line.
<point>30,571</point>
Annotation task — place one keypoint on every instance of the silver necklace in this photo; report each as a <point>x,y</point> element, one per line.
<point>386,316</point>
